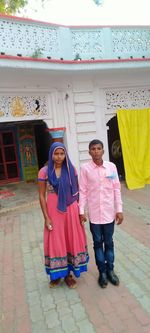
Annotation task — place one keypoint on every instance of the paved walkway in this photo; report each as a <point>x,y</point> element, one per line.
<point>26,302</point>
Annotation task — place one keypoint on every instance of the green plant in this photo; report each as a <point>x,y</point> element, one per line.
<point>77,56</point>
<point>37,53</point>
<point>10,7</point>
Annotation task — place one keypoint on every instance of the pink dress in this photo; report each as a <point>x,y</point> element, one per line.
<point>65,247</point>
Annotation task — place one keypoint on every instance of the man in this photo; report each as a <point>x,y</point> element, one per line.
<point>100,191</point>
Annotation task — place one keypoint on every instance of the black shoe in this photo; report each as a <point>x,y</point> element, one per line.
<point>102,281</point>
<point>113,278</point>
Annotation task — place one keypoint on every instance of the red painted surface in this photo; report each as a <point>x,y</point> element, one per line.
<point>98,61</point>
<point>17,18</point>
<point>56,129</point>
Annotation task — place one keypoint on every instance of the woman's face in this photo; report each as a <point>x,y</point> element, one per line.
<point>59,156</point>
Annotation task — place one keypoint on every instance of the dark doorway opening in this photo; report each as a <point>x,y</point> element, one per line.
<point>9,170</point>
<point>114,143</point>
<point>43,141</point>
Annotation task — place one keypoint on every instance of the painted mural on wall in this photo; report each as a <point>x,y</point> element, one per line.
<point>28,153</point>
<point>23,107</point>
<point>18,108</point>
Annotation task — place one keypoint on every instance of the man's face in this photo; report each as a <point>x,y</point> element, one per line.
<point>96,152</point>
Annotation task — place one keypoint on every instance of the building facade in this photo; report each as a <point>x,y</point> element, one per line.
<point>75,78</point>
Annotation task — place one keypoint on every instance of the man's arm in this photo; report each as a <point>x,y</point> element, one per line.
<point>117,196</point>
<point>82,194</point>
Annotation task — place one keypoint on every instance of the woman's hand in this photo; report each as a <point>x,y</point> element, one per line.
<point>48,224</point>
<point>42,198</point>
<point>83,218</point>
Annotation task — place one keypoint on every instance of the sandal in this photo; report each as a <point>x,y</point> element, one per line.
<point>70,282</point>
<point>54,283</point>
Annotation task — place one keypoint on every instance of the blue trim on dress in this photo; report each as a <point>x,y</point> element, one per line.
<point>62,272</point>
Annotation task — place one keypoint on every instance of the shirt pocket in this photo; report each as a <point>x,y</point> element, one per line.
<point>108,183</point>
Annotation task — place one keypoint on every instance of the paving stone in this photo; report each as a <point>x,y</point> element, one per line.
<point>58,294</point>
<point>41,276</point>
<point>29,275</point>
<point>145,301</point>
<point>87,308</point>
<point>39,327</point>
<point>36,313</point>
<point>78,311</point>
<point>26,250</point>
<point>44,288</point>
<point>57,329</point>
<point>35,252</point>
<point>63,308</point>
<point>33,297</point>
<point>75,300</point>
<point>85,326</point>
<point>68,324</point>
<point>31,285</point>
<point>52,319</point>
<point>28,258</point>
<point>48,303</point>
<point>72,296</point>
<point>135,289</point>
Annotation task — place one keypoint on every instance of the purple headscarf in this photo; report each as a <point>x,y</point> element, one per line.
<point>66,186</point>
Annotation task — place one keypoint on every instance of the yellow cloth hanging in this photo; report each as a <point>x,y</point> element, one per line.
<point>134,128</point>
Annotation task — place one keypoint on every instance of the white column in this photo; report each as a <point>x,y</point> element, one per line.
<point>70,138</point>
<point>101,128</point>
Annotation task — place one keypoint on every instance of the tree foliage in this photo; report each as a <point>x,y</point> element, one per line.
<point>12,6</point>
<point>98,2</point>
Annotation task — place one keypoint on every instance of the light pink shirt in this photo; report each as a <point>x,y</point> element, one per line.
<point>100,190</point>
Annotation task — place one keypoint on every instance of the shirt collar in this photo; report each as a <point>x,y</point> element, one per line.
<point>98,166</point>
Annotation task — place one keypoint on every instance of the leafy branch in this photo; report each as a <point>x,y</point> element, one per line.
<point>37,53</point>
<point>12,6</point>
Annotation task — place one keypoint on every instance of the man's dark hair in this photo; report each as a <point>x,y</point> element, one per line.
<point>95,142</point>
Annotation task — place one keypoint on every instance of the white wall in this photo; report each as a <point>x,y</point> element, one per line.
<point>83,103</point>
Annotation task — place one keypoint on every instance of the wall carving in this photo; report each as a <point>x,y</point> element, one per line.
<point>23,106</point>
<point>35,39</point>
<point>87,43</point>
<point>131,41</point>
<point>25,38</point>
<point>127,99</point>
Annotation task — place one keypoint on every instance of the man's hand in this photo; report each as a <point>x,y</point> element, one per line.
<point>119,218</point>
<point>83,218</point>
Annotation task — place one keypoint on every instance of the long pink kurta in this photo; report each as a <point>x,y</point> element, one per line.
<point>65,246</point>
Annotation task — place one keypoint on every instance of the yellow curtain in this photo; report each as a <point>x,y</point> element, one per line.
<point>134,128</point>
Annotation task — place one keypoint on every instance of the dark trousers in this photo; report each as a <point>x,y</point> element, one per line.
<point>103,245</point>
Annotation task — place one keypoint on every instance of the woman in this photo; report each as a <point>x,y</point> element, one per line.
<point>65,247</point>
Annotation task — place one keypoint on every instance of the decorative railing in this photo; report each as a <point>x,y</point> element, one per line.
<point>28,38</point>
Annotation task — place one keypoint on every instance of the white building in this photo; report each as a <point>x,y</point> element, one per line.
<point>74,77</point>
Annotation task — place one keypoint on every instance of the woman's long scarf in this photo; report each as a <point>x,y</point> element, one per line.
<point>66,186</point>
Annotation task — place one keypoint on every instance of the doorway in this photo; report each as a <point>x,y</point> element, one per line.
<point>114,144</point>
<point>9,170</point>
<point>43,142</point>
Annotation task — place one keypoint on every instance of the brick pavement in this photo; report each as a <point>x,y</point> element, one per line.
<point>28,305</point>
